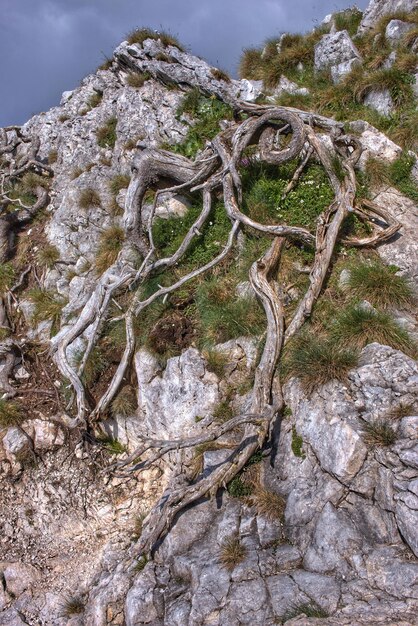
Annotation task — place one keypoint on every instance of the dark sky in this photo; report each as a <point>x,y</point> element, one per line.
<point>47,46</point>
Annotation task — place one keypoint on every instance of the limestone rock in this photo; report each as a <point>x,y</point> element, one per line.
<point>19,577</point>
<point>337,52</point>
<point>378,8</point>
<point>380,100</point>
<point>396,30</point>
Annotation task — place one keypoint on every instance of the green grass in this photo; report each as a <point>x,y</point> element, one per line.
<point>310,609</point>
<point>106,134</point>
<point>316,360</point>
<point>348,20</point>
<point>379,284</point>
<point>119,182</point>
<point>216,362</point>
<point>223,316</point>
<point>10,414</point>
<point>111,445</point>
<point>48,255</point>
<point>110,244</point>
<point>264,186</point>
<point>238,488</point>
<point>48,306</point>
<point>208,113</point>
<point>297,443</point>
<point>7,277</point>
<point>379,433</point>
<point>223,412</point>
<point>356,326</point>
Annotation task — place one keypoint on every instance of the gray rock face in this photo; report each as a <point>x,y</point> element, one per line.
<point>380,100</point>
<point>396,30</point>
<point>378,8</point>
<point>337,52</point>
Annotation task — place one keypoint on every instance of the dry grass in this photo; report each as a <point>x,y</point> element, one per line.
<point>379,433</point>
<point>403,409</point>
<point>125,402</point>
<point>89,197</point>
<point>231,553</point>
<point>219,74</point>
<point>48,255</point>
<point>139,35</point>
<point>110,245</point>
<point>10,414</point>
<point>137,79</point>
<point>268,503</point>
<point>72,606</point>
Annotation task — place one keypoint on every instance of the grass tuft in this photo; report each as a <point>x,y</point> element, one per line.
<point>118,182</point>
<point>297,443</point>
<point>137,79</point>
<point>216,362</point>
<point>358,325</point>
<point>125,403</point>
<point>268,503</point>
<point>73,606</point>
<point>139,35</point>
<point>231,553</point>
<point>89,197</point>
<point>379,433</point>
<point>111,445</point>
<point>48,306</point>
<point>379,284</point>
<point>10,414</point>
<point>220,75</point>
<point>106,134</point>
<point>309,610</point>
<point>7,277</point>
<point>316,360</point>
<point>111,242</point>
<point>48,255</point>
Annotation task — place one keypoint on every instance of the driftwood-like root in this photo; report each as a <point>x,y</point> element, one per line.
<point>279,134</point>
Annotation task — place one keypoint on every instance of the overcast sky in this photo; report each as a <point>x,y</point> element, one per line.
<point>48,46</point>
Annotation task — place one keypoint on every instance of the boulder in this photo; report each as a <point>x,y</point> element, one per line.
<point>19,577</point>
<point>396,30</point>
<point>380,100</point>
<point>336,52</point>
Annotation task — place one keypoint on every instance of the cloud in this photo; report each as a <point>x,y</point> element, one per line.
<point>47,46</point>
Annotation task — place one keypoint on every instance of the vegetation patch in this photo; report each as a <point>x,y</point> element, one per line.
<point>232,553</point>
<point>48,306</point>
<point>311,609</point>
<point>137,79</point>
<point>110,244</point>
<point>48,255</point>
<point>358,325</point>
<point>316,360</point>
<point>297,443</point>
<point>379,284</point>
<point>379,433</point>
<point>106,134</point>
<point>139,35</point>
<point>10,414</point>
<point>125,403</point>
<point>88,198</point>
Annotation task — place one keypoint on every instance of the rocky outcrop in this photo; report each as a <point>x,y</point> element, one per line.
<point>338,53</point>
<point>379,8</point>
